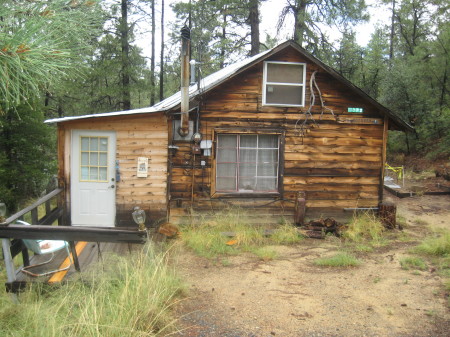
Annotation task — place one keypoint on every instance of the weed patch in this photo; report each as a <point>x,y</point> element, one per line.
<point>228,232</point>
<point>435,246</point>
<point>365,229</point>
<point>408,263</point>
<point>338,260</point>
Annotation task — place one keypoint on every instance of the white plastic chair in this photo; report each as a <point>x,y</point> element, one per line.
<point>41,247</point>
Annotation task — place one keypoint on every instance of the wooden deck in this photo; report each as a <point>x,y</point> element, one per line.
<point>89,253</point>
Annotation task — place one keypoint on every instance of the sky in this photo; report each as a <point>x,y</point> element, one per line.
<point>270,11</point>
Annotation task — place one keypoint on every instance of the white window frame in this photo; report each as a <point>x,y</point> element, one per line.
<point>265,83</point>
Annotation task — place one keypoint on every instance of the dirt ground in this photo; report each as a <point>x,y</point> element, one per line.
<point>290,296</point>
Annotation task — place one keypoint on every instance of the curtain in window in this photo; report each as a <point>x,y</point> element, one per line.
<point>247,163</point>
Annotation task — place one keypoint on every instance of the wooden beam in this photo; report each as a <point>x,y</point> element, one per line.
<point>72,233</point>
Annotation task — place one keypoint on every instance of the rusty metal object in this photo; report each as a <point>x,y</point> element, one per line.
<point>185,56</point>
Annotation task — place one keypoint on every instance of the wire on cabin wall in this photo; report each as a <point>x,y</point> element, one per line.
<point>312,101</point>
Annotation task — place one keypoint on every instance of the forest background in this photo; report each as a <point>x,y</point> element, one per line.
<point>75,57</point>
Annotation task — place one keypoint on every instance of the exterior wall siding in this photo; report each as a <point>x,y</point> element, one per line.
<point>338,165</point>
<point>137,136</point>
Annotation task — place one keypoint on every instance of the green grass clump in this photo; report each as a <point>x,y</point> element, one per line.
<point>365,228</point>
<point>338,260</point>
<point>410,262</point>
<point>435,246</point>
<point>265,253</point>
<point>286,234</point>
<point>131,297</point>
<point>229,232</point>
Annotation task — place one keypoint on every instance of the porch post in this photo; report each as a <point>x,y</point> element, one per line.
<point>10,271</point>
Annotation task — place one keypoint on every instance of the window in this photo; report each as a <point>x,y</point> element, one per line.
<point>284,83</point>
<point>94,159</point>
<point>247,163</point>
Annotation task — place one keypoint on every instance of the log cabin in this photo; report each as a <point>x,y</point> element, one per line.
<point>256,134</point>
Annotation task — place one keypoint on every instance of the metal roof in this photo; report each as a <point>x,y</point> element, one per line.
<point>170,102</point>
<point>224,74</point>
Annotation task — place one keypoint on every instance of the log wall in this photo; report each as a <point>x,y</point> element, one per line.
<point>338,165</point>
<point>136,136</point>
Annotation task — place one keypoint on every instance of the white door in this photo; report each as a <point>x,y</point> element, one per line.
<point>93,185</point>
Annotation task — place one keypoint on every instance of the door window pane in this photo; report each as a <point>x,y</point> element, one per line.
<point>94,159</point>
<point>103,144</point>
<point>94,144</point>
<point>84,143</point>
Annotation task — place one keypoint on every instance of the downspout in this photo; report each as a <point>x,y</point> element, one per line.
<point>185,56</point>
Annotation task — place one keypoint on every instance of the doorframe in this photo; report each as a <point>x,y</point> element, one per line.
<point>73,137</point>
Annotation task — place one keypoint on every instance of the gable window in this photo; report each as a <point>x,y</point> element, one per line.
<point>247,163</point>
<point>284,83</point>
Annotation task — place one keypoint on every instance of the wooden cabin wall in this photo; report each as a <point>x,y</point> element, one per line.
<point>338,165</point>
<point>136,136</point>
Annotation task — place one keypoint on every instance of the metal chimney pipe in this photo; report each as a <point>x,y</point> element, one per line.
<point>185,56</point>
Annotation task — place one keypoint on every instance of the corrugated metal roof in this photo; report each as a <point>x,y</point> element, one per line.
<point>205,84</point>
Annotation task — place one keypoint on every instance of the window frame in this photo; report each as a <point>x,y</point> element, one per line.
<point>266,83</point>
<point>90,166</point>
<point>280,169</point>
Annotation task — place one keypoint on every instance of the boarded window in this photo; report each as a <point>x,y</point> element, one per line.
<point>247,163</point>
<point>284,84</point>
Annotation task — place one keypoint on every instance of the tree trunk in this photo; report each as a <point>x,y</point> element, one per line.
<point>300,21</point>
<point>126,99</point>
<point>254,26</point>
<point>152,62</point>
<point>223,37</point>
<point>161,60</point>
<point>391,43</point>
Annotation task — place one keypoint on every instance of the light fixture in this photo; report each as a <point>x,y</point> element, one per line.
<point>139,217</point>
<point>197,137</point>
<point>2,212</point>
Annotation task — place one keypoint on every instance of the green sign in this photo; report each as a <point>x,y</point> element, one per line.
<point>357,110</point>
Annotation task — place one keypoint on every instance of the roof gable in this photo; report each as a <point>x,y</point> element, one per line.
<point>215,79</point>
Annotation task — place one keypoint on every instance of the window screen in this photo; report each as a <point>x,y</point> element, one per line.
<point>247,163</point>
<point>284,84</point>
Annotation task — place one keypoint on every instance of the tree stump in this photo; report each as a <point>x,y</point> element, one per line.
<point>300,209</point>
<point>387,212</point>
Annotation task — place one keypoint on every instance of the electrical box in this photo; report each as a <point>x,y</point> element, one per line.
<point>206,146</point>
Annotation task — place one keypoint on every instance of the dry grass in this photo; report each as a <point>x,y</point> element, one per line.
<point>132,297</point>
<point>365,229</point>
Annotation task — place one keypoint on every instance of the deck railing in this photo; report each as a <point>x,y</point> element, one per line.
<point>13,233</point>
<point>13,246</point>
